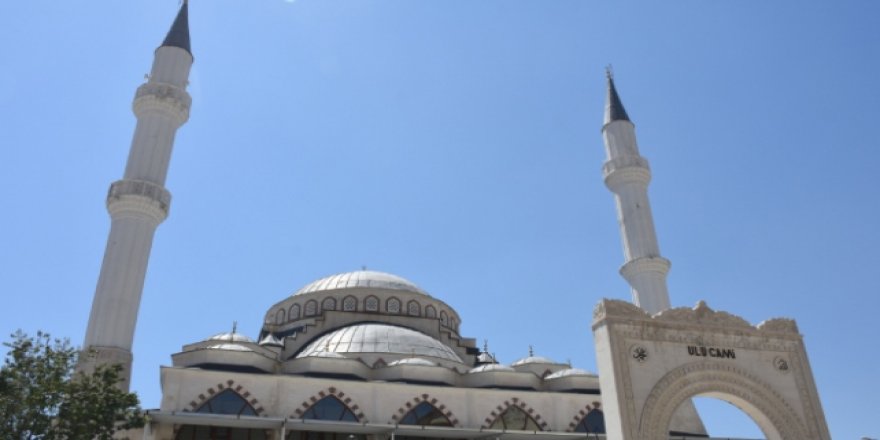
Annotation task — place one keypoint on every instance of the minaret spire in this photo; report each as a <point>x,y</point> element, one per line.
<point>139,203</point>
<point>627,175</point>
<point>614,110</point>
<point>178,35</point>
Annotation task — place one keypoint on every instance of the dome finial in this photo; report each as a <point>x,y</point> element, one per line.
<point>485,345</point>
<point>234,327</point>
<point>531,350</point>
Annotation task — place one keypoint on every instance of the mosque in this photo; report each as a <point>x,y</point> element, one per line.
<point>370,355</point>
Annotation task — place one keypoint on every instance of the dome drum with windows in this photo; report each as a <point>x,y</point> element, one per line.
<point>374,326</point>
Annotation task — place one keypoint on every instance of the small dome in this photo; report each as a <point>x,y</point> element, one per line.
<point>569,372</point>
<point>380,338</point>
<point>230,337</point>
<point>534,360</point>
<point>228,347</point>
<point>413,361</point>
<point>485,358</point>
<point>490,367</point>
<point>361,279</point>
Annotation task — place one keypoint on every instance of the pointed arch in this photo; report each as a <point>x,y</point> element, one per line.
<point>515,414</point>
<point>413,308</point>
<point>349,304</point>
<point>579,417</point>
<point>227,399</point>
<point>211,392</point>
<point>417,409</point>
<point>392,305</point>
<point>302,411</point>
<point>592,420</point>
<point>311,308</point>
<point>293,313</point>
<point>371,303</point>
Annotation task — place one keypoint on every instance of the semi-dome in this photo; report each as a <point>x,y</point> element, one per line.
<point>381,339</point>
<point>361,279</point>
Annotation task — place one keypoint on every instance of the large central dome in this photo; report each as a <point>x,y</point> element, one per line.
<point>361,278</point>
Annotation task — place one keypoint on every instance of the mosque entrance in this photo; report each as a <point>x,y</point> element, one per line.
<point>649,366</point>
<point>725,420</point>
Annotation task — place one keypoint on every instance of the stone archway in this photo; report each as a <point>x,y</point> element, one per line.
<point>651,366</point>
<point>767,409</point>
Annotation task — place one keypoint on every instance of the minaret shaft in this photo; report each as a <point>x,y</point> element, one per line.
<point>137,205</point>
<point>627,175</point>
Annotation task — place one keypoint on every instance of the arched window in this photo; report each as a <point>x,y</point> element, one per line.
<point>413,308</point>
<point>293,313</point>
<point>392,305</point>
<point>225,402</point>
<point>425,414</point>
<point>444,319</point>
<point>349,304</point>
<point>515,418</point>
<point>593,422</point>
<point>430,312</point>
<point>279,316</point>
<point>328,304</point>
<point>311,308</point>
<point>328,408</point>
<point>371,304</point>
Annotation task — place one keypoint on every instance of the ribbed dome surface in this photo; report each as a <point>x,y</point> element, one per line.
<point>361,279</point>
<point>379,338</point>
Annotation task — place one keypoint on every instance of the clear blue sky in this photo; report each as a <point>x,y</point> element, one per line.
<point>457,144</point>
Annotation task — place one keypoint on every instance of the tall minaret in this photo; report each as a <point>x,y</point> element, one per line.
<point>627,175</point>
<point>139,202</point>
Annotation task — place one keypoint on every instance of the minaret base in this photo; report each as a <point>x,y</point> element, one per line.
<point>92,356</point>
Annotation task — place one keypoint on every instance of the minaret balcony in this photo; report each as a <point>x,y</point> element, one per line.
<point>625,170</point>
<point>139,196</point>
<point>164,98</point>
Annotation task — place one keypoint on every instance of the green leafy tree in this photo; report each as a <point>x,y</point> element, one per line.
<point>42,398</point>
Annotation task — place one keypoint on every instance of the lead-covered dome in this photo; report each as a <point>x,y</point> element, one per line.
<point>386,341</point>
<point>361,278</point>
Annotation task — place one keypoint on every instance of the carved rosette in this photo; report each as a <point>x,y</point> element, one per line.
<point>163,98</point>
<point>140,198</point>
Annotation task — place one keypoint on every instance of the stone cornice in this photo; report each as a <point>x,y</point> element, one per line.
<point>701,314</point>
